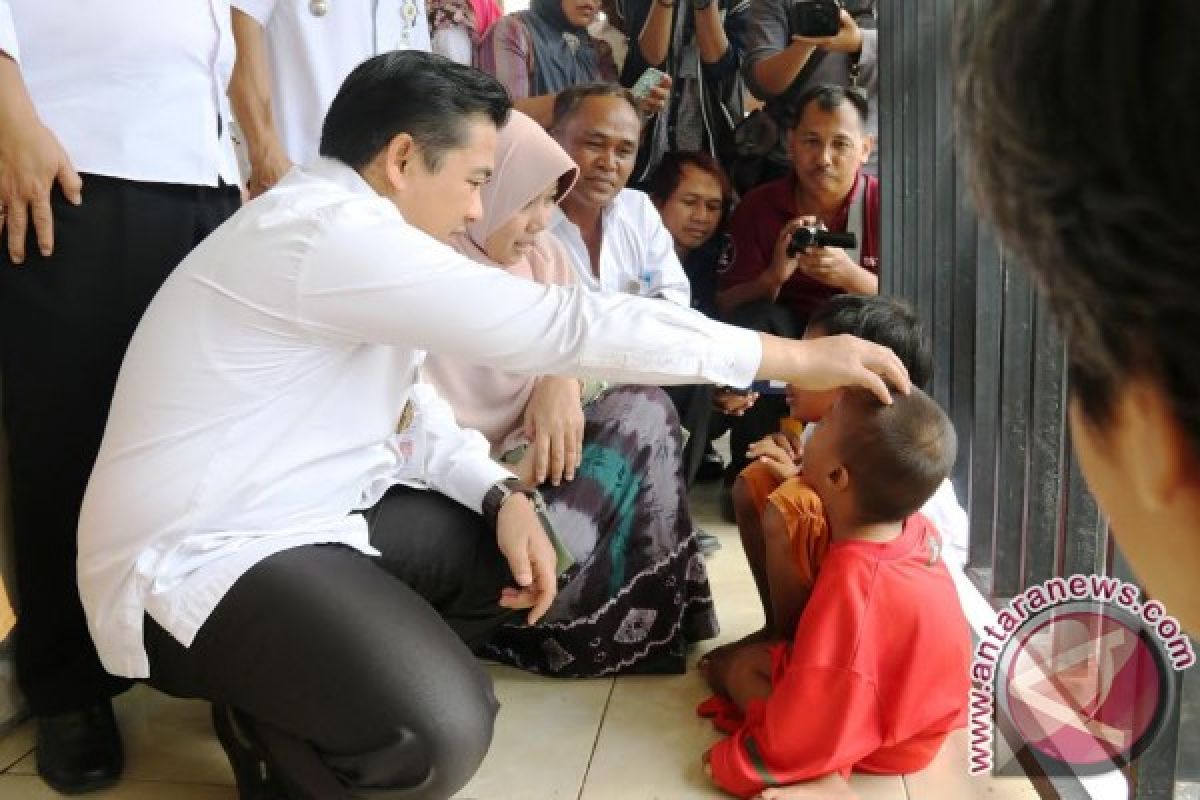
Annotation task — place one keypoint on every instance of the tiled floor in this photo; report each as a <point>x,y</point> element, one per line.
<point>629,738</point>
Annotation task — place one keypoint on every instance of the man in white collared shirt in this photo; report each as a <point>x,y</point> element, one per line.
<point>114,162</point>
<point>248,534</point>
<point>292,57</point>
<point>615,236</point>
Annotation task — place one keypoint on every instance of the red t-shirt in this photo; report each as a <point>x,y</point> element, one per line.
<point>761,215</point>
<point>876,677</point>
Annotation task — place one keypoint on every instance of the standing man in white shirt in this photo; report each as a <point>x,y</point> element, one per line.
<point>249,534</point>
<point>292,55</point>
<point>114,162</point>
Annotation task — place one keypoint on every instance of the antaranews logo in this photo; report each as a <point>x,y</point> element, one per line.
<point>1080,669</point>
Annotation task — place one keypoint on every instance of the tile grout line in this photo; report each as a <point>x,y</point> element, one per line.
<point>596,742</point>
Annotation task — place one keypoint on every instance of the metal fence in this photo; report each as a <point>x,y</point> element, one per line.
<point>1000,362</point>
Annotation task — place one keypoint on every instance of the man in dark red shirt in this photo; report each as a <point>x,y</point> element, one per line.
<point>768,290</point>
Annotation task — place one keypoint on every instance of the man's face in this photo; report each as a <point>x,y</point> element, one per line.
<point>693,210</point>
<point>442,202</point>
<point>828,148</point>
<point>580,13</point>
<point>602,137</point>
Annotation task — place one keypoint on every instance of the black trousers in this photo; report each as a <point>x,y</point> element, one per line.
<point>357,672</point>
<point>763,419</point>
<point>65,322</point>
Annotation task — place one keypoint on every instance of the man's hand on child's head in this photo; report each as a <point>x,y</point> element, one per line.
<point>831,362</point>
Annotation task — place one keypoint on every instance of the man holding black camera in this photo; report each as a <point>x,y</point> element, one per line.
<point>786,262</point>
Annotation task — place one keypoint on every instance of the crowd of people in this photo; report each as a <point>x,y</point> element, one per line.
<point>330,335</point>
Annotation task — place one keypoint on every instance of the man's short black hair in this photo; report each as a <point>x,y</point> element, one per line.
<point>1088,167</point>
<point>883,320</point>
<point>408,91</point>
<point>568,101</point>
<point>829,96</point>
<point>897,455</point>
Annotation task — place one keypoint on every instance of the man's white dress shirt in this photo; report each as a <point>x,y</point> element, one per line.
<point>258,403</point>
<point>310,56</point>
<point>637,253</point>
<point>132,89</point>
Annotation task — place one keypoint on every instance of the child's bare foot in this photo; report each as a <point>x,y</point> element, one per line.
<point>831,787</point>
<point>704,664</point>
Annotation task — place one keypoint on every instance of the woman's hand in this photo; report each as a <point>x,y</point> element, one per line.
<point>554,425</point>
<point>530,555</point>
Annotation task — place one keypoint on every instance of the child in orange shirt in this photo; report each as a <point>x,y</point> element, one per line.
<point>878,670</point>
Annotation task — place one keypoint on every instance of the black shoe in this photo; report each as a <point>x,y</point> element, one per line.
<point>250,769</point>
<point>80,751</point>
<point>711,468</point>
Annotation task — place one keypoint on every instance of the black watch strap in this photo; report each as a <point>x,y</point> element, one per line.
<point>499,492</point>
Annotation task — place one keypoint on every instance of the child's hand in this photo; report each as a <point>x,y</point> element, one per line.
<point>780,452</point>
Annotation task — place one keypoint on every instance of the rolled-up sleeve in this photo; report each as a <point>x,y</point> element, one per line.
<point>766,35</point>
<point>355,287</point>
<point>8,33</point>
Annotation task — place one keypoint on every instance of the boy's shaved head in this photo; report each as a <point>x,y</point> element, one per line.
<point>896,455</point>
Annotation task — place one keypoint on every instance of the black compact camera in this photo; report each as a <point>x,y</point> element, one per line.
<point>815,18</point>
<point>814,236</point>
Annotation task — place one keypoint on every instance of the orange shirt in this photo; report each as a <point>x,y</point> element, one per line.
<point>877,675</point>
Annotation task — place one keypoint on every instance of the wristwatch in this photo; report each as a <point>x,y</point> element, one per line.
<point>700,5</point>
<point>499,492</point>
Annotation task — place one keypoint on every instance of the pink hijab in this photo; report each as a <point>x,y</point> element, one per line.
<point>527,161</point>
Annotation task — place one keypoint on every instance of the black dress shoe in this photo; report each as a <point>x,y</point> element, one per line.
<point>250,771</point>
<point>80,751</point>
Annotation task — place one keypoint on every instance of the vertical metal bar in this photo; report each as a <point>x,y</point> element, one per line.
<point>989,296</point>
<point>1047,406</point>
<point>1085,542</point>
<point>1015,372</point>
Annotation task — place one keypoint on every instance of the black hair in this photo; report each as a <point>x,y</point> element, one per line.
<point>829,96</point>
<point>897,455</point>
<point>408,91</point>
<point>883,320</point>
<point>568,101</point>
<point>669,173</point>
<point>1088,169</point>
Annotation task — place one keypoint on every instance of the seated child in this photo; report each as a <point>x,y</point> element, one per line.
<point>772,505</point>
<point>877,673</point>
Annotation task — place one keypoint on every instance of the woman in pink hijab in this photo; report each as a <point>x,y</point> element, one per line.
<point>609,469</point>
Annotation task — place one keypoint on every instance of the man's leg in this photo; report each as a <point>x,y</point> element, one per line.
<point>348,679</point>
<point>65,321</point>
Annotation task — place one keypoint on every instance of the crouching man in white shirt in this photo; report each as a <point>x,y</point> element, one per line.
<point>281,521</point>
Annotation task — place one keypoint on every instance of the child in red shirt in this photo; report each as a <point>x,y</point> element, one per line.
<point>878,671</point>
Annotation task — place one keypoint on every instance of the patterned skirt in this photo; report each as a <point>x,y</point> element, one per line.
<point>638,592</point>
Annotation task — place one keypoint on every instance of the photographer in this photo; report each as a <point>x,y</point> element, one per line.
<point>782,63</point>
<point>774,282</point>
<point>700,44</point>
